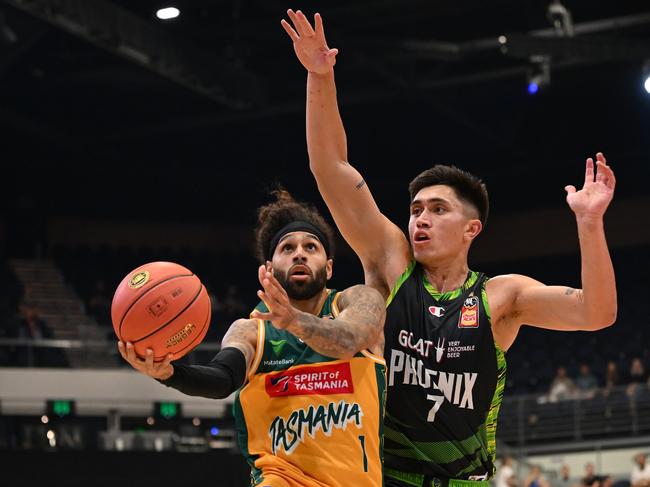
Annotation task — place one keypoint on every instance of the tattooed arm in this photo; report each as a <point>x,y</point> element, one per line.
<point>358,326</point>
<point>242,335</point>
<point>560,308</point>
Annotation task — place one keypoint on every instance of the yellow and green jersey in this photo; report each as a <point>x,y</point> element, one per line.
<point>307,420</point>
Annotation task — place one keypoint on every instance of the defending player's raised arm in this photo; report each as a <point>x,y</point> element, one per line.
<point>221,377</point>
<point>595,305</point>
<point>358,327</point>
<point>375,239</point>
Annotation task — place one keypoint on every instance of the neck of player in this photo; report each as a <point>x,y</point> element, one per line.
<point>312,305</point>
<point>448,274</point>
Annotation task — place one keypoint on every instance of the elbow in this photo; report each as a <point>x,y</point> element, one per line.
<point>316,166</point>
<point>320,166</point>
<point>604,319</point>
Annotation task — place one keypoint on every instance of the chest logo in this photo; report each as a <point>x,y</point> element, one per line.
<point>277,346</point>
<point>437,311</point>
<point>469,313</point>
<point>300,381</point>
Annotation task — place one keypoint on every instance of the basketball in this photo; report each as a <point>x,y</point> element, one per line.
<point>162,306</point>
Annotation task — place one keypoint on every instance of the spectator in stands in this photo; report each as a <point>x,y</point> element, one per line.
<point>641,472</point>
<point>506,474</point>
<point>31,325</point>
<point>586,384</point>
<point>637,377</point>
<point>562,387</point>
<point>535,478</point>
<point>592,480</point>
<point>564,477</point>
<point>612,377</point>
<point>99,304</point>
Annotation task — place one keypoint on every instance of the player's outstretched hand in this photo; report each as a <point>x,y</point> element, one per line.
<point>309,42</point>
<point>281,311</point>
<point>158,370</point>
<point>596,193</point>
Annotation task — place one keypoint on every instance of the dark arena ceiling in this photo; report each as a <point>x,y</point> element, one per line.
<point>106,110</point>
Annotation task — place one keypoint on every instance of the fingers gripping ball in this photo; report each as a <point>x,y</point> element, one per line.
<point>162,306</point>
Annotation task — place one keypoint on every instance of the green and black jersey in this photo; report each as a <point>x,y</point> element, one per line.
<point>445,379</point>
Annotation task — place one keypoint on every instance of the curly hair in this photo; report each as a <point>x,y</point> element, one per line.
<point>274,216</point>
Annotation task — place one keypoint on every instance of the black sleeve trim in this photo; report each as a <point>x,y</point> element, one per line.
<point>221,377</point>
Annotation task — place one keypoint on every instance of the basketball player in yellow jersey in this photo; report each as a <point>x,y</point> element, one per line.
<point>308,374</point>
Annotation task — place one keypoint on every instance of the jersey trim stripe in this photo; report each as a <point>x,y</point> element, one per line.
<point>401,280</point>
<point>335,305</point>
<point>497,398</point>
<point>373,357</point>
<point>453,294</point>
<point>493,413</point>
<point>259,349</point>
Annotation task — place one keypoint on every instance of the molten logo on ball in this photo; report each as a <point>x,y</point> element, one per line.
<point>180,336</point>
<point>139,280</point>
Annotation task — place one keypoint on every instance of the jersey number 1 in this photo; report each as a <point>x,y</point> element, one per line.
<point>362,439</point>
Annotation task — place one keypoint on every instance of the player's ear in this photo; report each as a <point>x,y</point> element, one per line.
<point>329,267</point>
<point>473,228</point>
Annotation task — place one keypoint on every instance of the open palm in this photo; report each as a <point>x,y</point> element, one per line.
<point>597,191</point>
<point>309,43</point>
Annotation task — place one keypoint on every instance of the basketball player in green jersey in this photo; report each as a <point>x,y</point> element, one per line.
<point>447,327</point>
<point>310,395</point>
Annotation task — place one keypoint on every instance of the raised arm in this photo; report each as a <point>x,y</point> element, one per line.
<point>221,377</point>
<point>376,240</point>
<point>562,308</point>
<point>358,326</point>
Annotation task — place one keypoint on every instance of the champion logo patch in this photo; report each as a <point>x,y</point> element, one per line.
<point>437,311</point>
<point>469,313</point>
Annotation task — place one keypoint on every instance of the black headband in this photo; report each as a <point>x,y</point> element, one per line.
<point>298,226</point>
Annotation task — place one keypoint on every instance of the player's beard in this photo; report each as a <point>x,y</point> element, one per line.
<point>302,290</point>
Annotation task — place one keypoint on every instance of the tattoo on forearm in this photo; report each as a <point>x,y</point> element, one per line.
<point>361,319</point>
<point>324,335</point>
<point>569,291</point>
<point>360,184</point>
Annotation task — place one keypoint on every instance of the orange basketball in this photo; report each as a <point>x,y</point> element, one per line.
<point>162,306</point>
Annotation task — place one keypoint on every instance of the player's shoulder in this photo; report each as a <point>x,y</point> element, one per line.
<point>244,326</point>
<point>508,285</point>
<point>357,294</point>
<point>511,280</point>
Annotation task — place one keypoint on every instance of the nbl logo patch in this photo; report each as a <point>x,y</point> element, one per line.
<point>324,379</point>
<point>469,313</point>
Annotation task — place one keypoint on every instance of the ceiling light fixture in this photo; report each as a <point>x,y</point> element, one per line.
<point>168,13</point>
